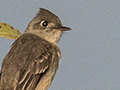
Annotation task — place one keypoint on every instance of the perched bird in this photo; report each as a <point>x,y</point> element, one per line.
<point>34,57</point>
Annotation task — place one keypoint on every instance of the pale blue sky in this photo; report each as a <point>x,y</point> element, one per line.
<point>90,51</point>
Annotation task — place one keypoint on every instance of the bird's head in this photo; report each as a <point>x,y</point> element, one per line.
<point>47,26</point>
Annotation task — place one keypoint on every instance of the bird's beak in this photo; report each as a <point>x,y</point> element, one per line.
<point>63,28</point>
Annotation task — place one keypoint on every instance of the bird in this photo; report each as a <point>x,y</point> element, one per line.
<point>33,59</point>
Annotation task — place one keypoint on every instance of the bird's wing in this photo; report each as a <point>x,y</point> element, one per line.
<point>32,57</point>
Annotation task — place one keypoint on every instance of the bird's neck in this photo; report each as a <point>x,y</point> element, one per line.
<point>52,37</point>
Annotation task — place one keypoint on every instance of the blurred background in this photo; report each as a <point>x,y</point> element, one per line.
<point>90,51</point>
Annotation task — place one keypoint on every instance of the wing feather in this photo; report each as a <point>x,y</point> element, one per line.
<point>28,59</point>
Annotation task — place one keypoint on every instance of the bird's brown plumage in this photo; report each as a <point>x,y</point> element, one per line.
<point>23,68</point>
<point>33,59</point>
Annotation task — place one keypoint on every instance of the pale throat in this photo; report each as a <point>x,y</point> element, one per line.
<point>53,37</point>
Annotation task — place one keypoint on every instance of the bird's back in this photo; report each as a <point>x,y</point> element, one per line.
<point>31,64</point>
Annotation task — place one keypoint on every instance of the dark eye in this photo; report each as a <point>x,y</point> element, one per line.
<point>44,23</point>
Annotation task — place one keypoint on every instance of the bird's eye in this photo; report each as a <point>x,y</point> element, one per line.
<point>44,23</point>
